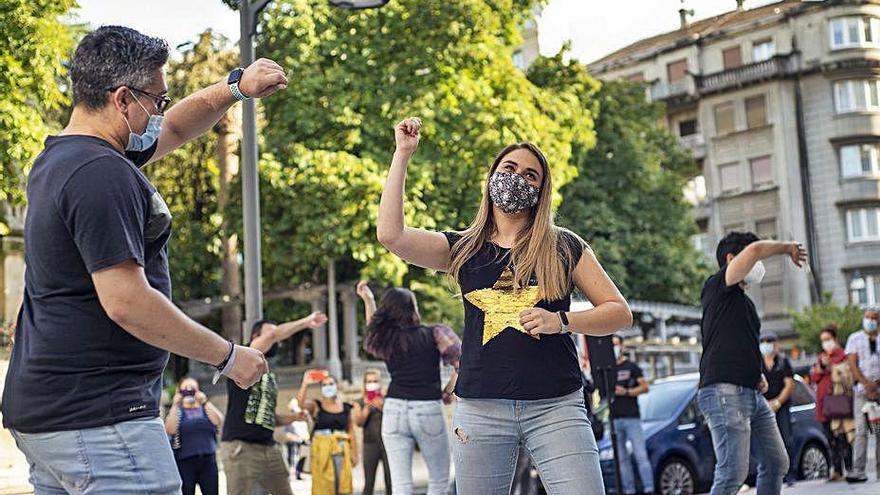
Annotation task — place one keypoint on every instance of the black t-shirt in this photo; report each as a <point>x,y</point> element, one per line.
<point>415,374</point>
<point>72,367</point>
<point>776,376</point>
<point>511,364</point>
<point>730,330</point>
<point>333,421</point>
<point>628,374</point>
<point>250,414</point>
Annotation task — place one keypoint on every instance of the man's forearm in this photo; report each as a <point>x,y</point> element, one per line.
<point>152,318</point>
<point>193,116</point>
<point>766,249</point>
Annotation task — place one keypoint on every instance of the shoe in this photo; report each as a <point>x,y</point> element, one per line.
<point>853,479</point>
<point>835,476</point>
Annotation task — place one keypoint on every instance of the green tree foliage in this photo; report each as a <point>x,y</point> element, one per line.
<point>34,43</point>
<point>810,321</point>
<point>627,200</point>
<point>189,178</point>
<point>353,76</point>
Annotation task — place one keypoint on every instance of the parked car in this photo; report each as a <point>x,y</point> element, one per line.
<point>680,446</point>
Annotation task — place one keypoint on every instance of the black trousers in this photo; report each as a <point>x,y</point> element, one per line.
<point>841,451</point>
<point>373,453</point>
<point>199,470</point>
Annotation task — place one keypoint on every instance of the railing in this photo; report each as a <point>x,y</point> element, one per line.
<point>693,142</point>
<point>662,90</point>
<point>777,66</point>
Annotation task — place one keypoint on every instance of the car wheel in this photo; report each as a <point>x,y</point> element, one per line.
<point>814,463</point>
<point>676,478</point>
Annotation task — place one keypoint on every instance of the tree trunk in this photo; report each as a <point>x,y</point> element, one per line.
<point>227,162</point>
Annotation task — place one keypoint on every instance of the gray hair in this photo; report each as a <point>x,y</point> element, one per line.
<point>114,56</point>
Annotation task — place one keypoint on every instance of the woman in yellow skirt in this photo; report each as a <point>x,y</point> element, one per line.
<point>334,447</point>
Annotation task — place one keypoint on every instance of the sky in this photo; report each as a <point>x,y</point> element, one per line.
<point>595,27</point>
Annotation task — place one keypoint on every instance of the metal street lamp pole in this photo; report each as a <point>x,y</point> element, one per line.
<point>249,11</point>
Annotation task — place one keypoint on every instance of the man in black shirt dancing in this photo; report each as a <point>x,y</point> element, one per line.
<point>731,381</point>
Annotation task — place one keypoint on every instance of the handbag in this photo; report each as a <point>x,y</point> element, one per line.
<point>837,406</point>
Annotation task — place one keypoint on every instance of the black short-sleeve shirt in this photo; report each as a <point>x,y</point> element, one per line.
<point>512,364</point>
<point>776,376</point>
<point>628,374</point>
<point>250,413</point>
<point>72,367</point>
<point>730,328</point>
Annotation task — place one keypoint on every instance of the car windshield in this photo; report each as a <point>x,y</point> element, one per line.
<point>663,399</point>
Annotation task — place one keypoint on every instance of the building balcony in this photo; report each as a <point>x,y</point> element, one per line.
<point>661,90</point>
<point>776,67</point>
<point>696,143</point>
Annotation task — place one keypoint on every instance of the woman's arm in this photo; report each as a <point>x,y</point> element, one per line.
<point>360,414</point>
<point>417,246</point>
<point>610,311</point>
<point>366,294</point>
<point>214,414</point>
<point>353,439</point>
<point>172,420</point>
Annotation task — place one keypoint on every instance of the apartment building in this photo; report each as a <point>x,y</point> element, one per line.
<point>780,105</point>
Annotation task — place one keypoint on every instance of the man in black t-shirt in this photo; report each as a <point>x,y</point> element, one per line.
<point>630,384</point>
<point>82,391</point>
<point>247,448</point>
<point>731,381</point>
<point>780,386</point>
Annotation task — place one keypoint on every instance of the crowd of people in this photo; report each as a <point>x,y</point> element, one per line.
<point>97,324</point>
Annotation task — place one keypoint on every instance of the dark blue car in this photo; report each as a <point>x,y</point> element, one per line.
<point>680,446</point>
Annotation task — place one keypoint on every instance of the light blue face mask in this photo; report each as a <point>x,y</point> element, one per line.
<point>141,142</point>
<point>328,391</point>
<point>766,348</point>
<point>869,324</point>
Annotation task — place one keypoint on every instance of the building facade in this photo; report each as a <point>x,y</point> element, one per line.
<point>780,106</point>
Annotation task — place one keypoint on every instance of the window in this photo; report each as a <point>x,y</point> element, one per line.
<point>772,299</point>
<point>766,229</point>
<point>802,395</point>
<point>637,77</point>
<point>865,290</point>
<point>695,190</point>
<point>732,58</point>
<point>854,32</point>
<point>730,178</point>
<point>763,50</point>
<point>687,127</point>
<point>863,224</point>
<point>856,95</point>
<point>519,60</point>
<point>676,71</point>
<point>724,118</point>
<point>762,171</point>
<point>756,111</point>
<point>859,160</point>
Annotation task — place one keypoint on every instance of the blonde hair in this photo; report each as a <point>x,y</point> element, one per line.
<point>538,247</point>
<point>368,372</point>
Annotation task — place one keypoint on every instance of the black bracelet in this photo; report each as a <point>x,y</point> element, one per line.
<point>228,355</point>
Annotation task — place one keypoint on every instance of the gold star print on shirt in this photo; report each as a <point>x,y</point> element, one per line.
<point>502,304</point>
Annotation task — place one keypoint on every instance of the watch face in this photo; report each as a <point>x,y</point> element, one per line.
<point>234,76</point>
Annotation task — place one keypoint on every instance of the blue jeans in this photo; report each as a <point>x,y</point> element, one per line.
<point>630,429</point>
<point>555,432</point>
<point>736,416</point>
<point>132,457</point>
<point>406,423</point>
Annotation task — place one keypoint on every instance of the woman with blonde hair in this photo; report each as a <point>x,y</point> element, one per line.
<point>369,417</point>
<point>519,379</point>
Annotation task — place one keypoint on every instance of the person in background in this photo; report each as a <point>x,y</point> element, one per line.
<point>821,375</point>
<point>780,386</point>
<point>192,423</point>
<point>864,360</point>
<point>630,384</point>
<point>334,446</point>
<point>413,411</point>
<point>296,435</point>
<point>732,383</point>
<point>370,419</point>
<point>248,450</point>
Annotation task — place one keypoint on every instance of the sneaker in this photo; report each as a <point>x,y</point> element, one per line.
<point>856,479</point>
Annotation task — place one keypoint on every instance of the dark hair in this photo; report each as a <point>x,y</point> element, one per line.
<point>733,243</point>
<point>114,56</point>
<point>257,327</point>
<point>395,314</point>
<point>616,336</point>
<point>830,329</point>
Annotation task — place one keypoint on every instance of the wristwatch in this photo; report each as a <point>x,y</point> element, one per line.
<point>233,80</point>
<point>563,318</point>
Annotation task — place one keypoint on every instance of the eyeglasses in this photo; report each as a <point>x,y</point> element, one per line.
<point>160,101</point>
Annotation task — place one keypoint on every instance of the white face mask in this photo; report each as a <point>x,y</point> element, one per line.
<point>616,352</point>
<point>756,274</point>
<point>829,345</point>
<point>372,387</point>
<point>766,348</point>
<point>869,324</point>
<point>328,391</point>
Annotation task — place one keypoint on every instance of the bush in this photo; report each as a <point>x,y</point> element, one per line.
<point>809,322</point>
